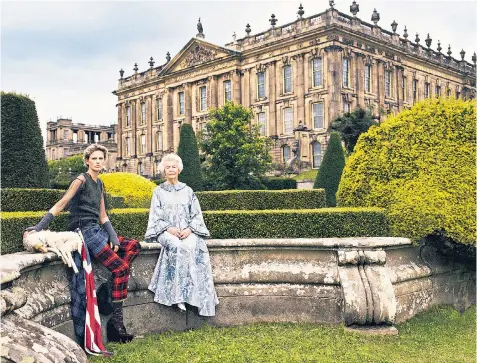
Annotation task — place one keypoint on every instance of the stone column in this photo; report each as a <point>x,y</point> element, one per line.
<point>237,89</point>
<point>335,82</point>
<point>380,85</point>
<point>169,119</point>
<point>300,88</point>
<point>272,96</point>
<point>246,88</point>
<point>399,99</point>
<point>188,103</point>
<point>213,84</point>
<point>119,130</point>
<point>134,114</point>
<point>149,113</point>
<point>360,86</point>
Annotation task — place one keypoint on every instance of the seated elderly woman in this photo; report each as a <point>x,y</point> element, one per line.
<point>183,273</point>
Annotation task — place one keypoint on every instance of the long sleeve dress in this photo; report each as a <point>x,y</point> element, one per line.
<point>183,273</point>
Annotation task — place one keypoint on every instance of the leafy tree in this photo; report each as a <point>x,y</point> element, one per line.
<point>189,153</point>
<point>331,167</point>
<point>420,165</point>
<point>237,156</point>
<point>23,157</point>
<point>351,125</point>
<point>62,171</point>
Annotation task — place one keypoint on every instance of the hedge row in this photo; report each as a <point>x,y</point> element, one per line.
<point>276,183</point>
<point>262,199</point>
<point>20,199</point>
<point>326,222</point>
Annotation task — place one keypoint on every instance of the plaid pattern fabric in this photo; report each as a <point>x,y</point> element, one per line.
<point>128,250</point>
<point>119,264</point>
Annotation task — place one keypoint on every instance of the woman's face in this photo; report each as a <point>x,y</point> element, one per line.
<point>171,169</point>
<point>96,161</point>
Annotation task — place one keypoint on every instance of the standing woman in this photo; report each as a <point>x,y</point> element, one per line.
<point>183,273</point>
<point>87,206</point>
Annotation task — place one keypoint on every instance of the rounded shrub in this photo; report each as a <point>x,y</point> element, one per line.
<point>420,165</point>
<point>135,189</point>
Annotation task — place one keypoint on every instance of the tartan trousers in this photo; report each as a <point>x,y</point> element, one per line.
<point>118,263</point>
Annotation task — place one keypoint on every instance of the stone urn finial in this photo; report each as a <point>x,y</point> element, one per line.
<point>332,4</point>
<point>354,8</point>
<point>405,35</point>
<point>394,26</point>
<point>248,29</point>
<point>462,54</point>
<point>168,57</point>
<point>449,52</point>
<point>474,58</point>
<point>439,48</point>
<point>375,17</point>
<point>417,40</point>
<point>121,73</point>
<point>428,40</point>
<point>135,69</point>
<point>273,20</point>
<point>300,11</point>
<point>151,62</point>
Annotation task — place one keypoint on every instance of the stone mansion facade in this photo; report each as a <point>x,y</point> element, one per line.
<point>296,78</point>
<point>65,138</point>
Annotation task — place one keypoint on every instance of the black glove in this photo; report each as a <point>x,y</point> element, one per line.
<point>113,237</point>
<point>45,221</point>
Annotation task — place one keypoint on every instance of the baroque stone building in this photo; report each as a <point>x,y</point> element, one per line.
<point>65,138</point>
<point>296,78</point>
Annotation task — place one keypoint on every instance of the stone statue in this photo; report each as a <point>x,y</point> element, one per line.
<point>296,148</point>
<point>199,27</point>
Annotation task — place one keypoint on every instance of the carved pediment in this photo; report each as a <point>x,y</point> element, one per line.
<point>196,52</point>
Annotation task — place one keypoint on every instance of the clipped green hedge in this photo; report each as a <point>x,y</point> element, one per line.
<point>262,199</point>
<point>311,223</point>
<point>23,199</point>
<point>276,183</point>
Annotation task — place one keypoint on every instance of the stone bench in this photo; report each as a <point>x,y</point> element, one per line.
<point>355,281</point>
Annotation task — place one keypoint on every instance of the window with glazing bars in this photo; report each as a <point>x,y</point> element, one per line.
<point>228,91</point>
<point>345,72</point>
<point>159,108</point>
<point>288,119</point>
<point>203,98</point>
<point>387,83</point>
<point>261,85</point>
<point>143,112</point>
<point>261,122</point>
<point>181,103</point>
<point>317,72</point>
<point>318,115</point>
<point>287,79</point>
<point>367,77</point>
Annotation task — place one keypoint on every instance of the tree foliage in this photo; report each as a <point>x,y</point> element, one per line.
<point>23,157</point>
<point>62,171</point>
<point>351,125</point>
<point>420,165</point>
<point>189,153</point>
<point>331,167</point>
<point>236,155</point>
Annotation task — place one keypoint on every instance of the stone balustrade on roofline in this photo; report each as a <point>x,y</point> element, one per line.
<point>356,281</point>
<point>304,26</point>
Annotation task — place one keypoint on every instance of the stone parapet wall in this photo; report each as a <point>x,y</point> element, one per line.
<point>354,281</point>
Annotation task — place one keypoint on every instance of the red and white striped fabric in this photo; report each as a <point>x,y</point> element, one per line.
<point>93,343</point>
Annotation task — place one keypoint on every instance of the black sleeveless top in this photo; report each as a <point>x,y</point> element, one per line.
<point>84,206</point>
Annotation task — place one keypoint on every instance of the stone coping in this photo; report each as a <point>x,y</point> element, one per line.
<point>11,265</point>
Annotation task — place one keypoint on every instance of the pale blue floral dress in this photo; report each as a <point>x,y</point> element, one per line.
<point>183,273</point>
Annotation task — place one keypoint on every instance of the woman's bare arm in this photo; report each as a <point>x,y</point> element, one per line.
<point>70,193</point>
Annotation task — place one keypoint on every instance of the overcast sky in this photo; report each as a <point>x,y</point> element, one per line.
<point>66,54</point>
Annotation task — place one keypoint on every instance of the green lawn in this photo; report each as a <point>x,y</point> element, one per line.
<point>309,174</point>
<point>438,335</point>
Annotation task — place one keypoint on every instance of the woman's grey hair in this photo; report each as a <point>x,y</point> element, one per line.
<point>170,157</point>
<point>91,149</point>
